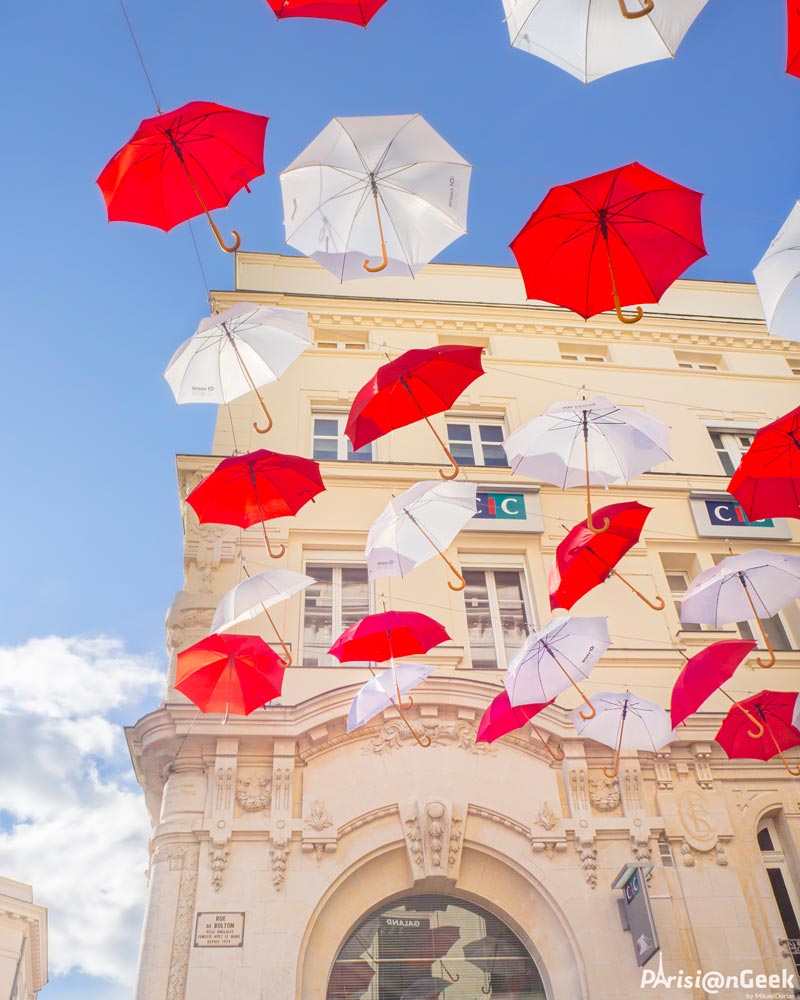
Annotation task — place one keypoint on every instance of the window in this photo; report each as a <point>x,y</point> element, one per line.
<point>665,852</point>
<point>775,629</point>
<point>340,597</point>
<point>678,581</point>
<point>699,362</point>
<point>794,365</point>
<point>781,883</point>
<point>578,352</point>
<point>340,345</point>
<point>330,444</point>
<point>498,620</point>
<point>475,442</point>
<point>730,447</point>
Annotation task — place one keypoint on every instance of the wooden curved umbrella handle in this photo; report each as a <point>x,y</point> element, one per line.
<point>384,258</point>
<point>629,320</point>
<point>237,239</point>
<point>558,755</point>
<point>649,5</point>
<point>424,740</point>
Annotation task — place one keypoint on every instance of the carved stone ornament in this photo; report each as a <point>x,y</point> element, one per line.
<point>546,818</point>
<point>218,860</point>
<point>253,792</point>
<point>319,818</point>
<point>414,841</point>
<point>456,836</point>
<point>720,856</point>
<point>604,793</point>
<point>278,856</point>
<point>588,858</point>
<point>686,854</point>
<point>184,919</point>
<point>394,735</point>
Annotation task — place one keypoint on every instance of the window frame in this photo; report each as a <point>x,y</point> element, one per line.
<point>475,422</point>
<point>776,860</point>
<point>343,446</point>
<point>337,626</point>
<point>495,618</point>
<point>728,445</point>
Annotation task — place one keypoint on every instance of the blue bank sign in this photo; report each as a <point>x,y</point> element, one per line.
<point>718,515</point>
<point>729,512</point>
<point>501,506</point>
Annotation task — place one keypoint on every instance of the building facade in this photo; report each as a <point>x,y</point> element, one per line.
<point>23,942</point>
<point>290,861</point>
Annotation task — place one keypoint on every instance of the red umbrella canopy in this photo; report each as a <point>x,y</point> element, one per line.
<point>229,673</point>
<point>349,979</point>
<point>614,239</point>
<point>501,718</point>
<point>773,710</point>
<point>585,559</point>
<point>767,482</point>
<point>414,386</point>
<point>259,486</point>
<point>704,673</point>
<point>352,11</point>
<point>183,163</point>
<point>793,57</point>
<point>388,634</point>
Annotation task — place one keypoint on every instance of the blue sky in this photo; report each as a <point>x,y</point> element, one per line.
<point>92,311</point>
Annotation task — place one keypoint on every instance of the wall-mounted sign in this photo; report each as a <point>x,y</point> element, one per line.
<point>504,509</point>
<point>718,515</point>
<point>637,914</point>
<point>219,930</point>
<point>501,506</point>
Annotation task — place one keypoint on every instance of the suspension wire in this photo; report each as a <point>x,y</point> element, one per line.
<point>199,262</point>
<point>141,57</point>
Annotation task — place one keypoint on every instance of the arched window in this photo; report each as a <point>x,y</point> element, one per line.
<point>783,887</point>
<point>427,947</point>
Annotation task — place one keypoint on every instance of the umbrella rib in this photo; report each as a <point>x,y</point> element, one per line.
<point>389,145</point>
<point>354,144</point>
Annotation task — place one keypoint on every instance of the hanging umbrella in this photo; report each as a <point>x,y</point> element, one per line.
<point>387,187</point>
<point>615,443</point>
<point>592,38</point>
<point>585,559</point>
<point>704,674</point>
<point>419,383</point>
<point>555,658</point>
<point>767,482</point>
<point>625,722</point>
<point>774,711</point>
<point>499,959</point>
<point>236,351</point>
<point>777,277</point>
<point>615,239</point>
<point>418,525</point>
<point>501,718</point>
<point>349,980</point>
<point>230,673</point>
<point>352,11</point>
<point>793,53</point>
<point>254,488</point>
<point>425,988</point>
<point>254,595</point>
<point>380,692</point>
<point>754,585</point>
<point>184,163</point>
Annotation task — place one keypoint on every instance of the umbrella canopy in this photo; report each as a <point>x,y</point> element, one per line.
<point>380,692</point>
<point>388,188</point>
<point>501,718</point>
<point>774,711</point>
<point>754,585</point>
<point>585,559</point>
<point>184,163</point>
<point>418,525</point>
<point>767,482</point>
<point>236,351</point>
<point>229,673</point>
<point>555,658</point>
<point>349,979</point>
<point>585,442</point>
<point>626,722</point>
<point>615,239</point>
<point>426,988</point>
<point>352,11</point>
<point>777,276</point>
<point>388,635</point>
<point>592,38</point>
<point>419,383</point>
<point>793,53</point>
<point>704,673</point>
<point>257,487</point>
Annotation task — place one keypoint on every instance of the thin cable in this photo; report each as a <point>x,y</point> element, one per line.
<point>199,262</point>
<point>141,57</point>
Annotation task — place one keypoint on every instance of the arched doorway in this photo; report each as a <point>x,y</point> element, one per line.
<point>432,946</point>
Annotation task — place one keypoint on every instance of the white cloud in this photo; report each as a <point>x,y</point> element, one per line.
<point>79,830</point>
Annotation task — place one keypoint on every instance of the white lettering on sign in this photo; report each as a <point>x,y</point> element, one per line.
<point>510,506</point>
<point>219,930</point>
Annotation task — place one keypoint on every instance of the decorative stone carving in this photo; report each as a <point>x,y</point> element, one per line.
<point>662,769</point>
<point>588,858</point>
<point>319,818</point>
<point>436,812</point>
<point>546,818</point>
<point>604,793</point>
<point>631,789</point>
<point>394,735</point>
<point>702,768</point>
<point>697,820</point>
<point>433,836</point>
<point>720,856</point>
<point>189,857</point>
<point>253,792</point>
<point>456,836</point>
<point>686,854</point>
<point>579,789</point>
<point>548,847</point>
<point>278,856</point>
<point>414,841</point>
<point>218,860</point>
<point>187,625</point>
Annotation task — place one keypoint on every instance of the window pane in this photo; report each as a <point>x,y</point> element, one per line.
<point>678,582</point>
<point>318,632</point>
<point>355,595</point>
<point>458,432</point>
<point>494,454</point>
<point>765,840</point>
<point>325,450</point>
<point>491,433</point>
<point>326,428</point>
<point>777,633</point>
<point>364,454</point>
<point>513,620</point>
<point>479,621</point>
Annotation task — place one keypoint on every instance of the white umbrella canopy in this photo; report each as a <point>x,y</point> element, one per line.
<point>375,194</point>
<point>754,585</point>
<point>555,658</point>
<point>380,692</point>
<point>625,722</point>
<point>777,276</point>
<point>592,38</point>
<point>418,525</point>
<point>585,442</point>
<point>235,351</point>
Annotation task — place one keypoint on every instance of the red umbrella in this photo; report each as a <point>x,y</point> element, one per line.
<point>704,673</point>
<point>352,11</point>
<point>585,559</point>
<point>767,482</point>
<point>793,57</point>
<point>253,488</point>
<point>771,712</point>
<point>611,240</point>
<point>230,673</point>
<point>413,387</point>
<point>349,979</point>
<point>184,163</point>
<point>501,717</point>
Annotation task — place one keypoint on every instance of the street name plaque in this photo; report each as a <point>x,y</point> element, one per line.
<point>219,930</point>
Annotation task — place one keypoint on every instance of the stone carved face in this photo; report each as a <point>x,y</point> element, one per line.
<point>604,793</point>
<point>253,792</point>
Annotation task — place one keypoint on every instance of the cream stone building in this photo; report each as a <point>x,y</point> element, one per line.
<point>290,861</point>
<point>23,942</point>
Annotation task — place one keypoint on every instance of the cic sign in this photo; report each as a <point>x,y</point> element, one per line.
<point>636,913</point>
<point>718,515</point>
<point>504,509</point>
<point>501,506</point>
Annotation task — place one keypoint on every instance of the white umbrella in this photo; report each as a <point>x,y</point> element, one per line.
<point>754,585</point>
<point>236,351</point>
<point>625,722</point>
<point>585,442</point>
<point>592,38</point>
<point>380,692</point>
<point>418,525</point>
<point>387,187</point>
<point>777,275</point>
<point>555,658</point>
